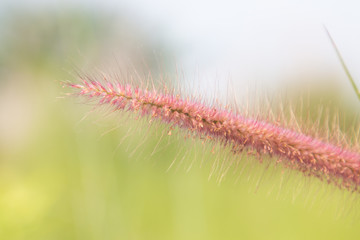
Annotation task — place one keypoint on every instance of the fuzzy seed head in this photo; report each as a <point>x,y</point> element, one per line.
<point>335,164</point>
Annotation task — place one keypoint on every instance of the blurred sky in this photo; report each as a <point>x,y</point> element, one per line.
<point>262,42</point>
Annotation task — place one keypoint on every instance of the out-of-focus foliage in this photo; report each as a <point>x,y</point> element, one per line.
<point>62,178</point>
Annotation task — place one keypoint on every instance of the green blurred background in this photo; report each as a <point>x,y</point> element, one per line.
<point>65,177</point>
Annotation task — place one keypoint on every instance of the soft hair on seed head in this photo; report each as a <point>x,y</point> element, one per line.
<point>336,164</point>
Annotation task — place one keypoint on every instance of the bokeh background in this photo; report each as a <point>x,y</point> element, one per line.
<point>63,176</point>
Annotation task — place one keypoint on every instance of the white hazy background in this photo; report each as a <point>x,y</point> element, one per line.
<point>262,43</point>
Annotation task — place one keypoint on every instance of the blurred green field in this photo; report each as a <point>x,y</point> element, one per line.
<point>64,178</point>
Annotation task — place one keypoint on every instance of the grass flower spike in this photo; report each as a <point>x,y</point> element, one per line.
<point>335,164</point>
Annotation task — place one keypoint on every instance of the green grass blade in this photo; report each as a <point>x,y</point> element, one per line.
<point>343,64</point>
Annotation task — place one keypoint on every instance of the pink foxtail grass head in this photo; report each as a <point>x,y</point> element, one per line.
<point>329,162</point>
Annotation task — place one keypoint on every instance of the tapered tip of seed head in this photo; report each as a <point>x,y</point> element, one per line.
<point>76,86</point>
